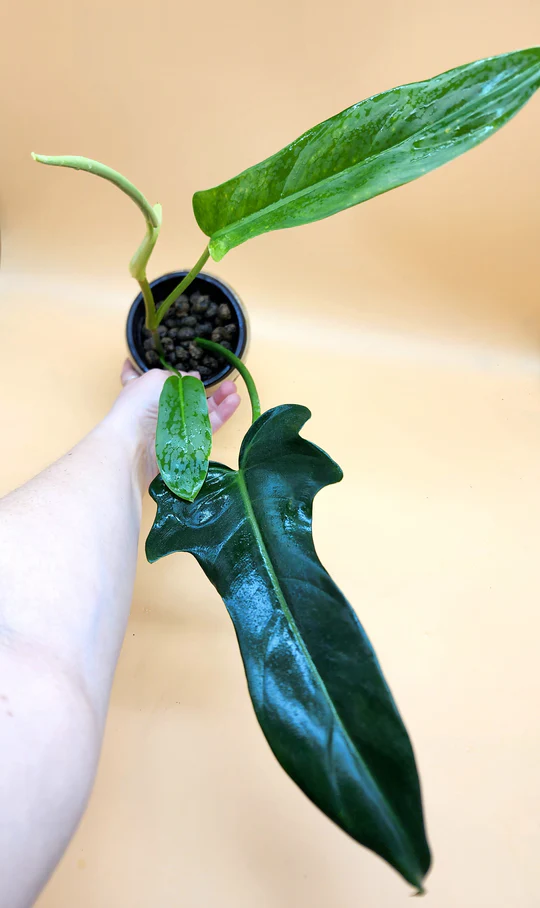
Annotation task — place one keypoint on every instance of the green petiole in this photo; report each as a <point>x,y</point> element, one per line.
<point>242,369</point>
<point>183,285</point>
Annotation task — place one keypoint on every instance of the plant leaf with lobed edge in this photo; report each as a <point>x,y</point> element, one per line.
<point>183,436</point>
<point>316,686</point>
<point>380,143</point>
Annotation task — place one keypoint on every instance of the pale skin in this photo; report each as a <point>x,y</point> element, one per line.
<point>68,551</point>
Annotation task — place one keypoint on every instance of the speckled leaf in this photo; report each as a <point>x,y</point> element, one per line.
<point>316,686</point>
<point>184,435</point>
<point>376,145</point>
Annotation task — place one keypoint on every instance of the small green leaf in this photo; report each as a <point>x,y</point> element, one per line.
<point>316,685</point>
<point>376,145</point>
<point>184,435</point>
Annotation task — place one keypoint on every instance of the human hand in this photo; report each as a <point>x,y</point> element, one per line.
<point>136,408</point>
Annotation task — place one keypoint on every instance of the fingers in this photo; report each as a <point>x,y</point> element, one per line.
<point>225,389</point>
<point>223,411</point>
<point>219,395</point>
<point>144,397</point>
<point>128,372</point>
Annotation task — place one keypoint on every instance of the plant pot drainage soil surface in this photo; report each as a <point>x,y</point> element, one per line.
<point>193,315</point>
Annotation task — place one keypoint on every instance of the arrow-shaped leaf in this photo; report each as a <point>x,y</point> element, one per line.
<point>376,145</point>
<point>184,435</point>
<point>317,688</point>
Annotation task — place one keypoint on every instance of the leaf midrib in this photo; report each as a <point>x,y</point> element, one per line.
<point>182,403</point>
<point>282,201</point>
<point>387,808</point>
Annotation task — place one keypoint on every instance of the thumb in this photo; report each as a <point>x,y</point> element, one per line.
<point>128,372</point>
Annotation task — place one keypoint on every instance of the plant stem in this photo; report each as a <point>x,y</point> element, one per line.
<point>138,263</point>
<point>101,170</point>
<point>243,370</point>
<point>168,367</point>
<point>149,306</point>
<point>152,215</point>
<point>157,343</point>
<point>183,285</point>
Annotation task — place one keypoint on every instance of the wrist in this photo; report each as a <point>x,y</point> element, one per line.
<point>125,436</point>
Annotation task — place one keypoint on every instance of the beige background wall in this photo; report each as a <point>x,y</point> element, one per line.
<point>421,305</point>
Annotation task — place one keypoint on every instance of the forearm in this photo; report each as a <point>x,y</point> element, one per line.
<point>68,548</point>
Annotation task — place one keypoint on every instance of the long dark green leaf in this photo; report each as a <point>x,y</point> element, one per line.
<point>184,435</point>
<point>314,679</point>
<point>376,145</point>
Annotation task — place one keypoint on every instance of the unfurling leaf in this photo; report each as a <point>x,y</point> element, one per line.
<point>183,436</point>
<point>316,686</point>
<point>376,145</point>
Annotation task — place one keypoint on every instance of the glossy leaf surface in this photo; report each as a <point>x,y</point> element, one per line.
<point>314,679</point>
<point>183,436</point>
<point>380,143</point>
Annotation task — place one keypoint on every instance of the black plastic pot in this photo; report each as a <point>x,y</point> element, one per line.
<point>204,283</point>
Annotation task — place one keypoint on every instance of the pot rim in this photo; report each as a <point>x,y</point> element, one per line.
<point>228,371</point>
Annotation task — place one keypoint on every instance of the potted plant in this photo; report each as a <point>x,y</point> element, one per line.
<point>316,686</point>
